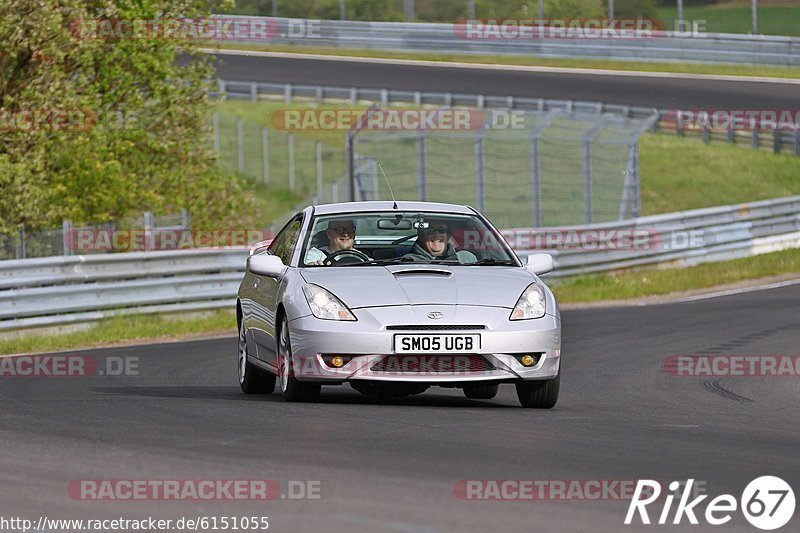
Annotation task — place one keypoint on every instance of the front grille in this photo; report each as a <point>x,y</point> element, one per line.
<point>435,327</point>
<point>439,364</point>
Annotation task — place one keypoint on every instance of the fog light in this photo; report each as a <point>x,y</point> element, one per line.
<point>337,361</point>
<point>527,360</point>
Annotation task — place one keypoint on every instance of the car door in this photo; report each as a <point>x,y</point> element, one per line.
<point>265,293</point>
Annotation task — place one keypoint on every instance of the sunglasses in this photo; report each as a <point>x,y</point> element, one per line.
<point>350,230</point>
<point>437,229</point>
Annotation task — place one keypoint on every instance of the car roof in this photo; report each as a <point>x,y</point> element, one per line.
<point>402,205</point>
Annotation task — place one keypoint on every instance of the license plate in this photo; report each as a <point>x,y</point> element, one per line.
<point>437,343</point>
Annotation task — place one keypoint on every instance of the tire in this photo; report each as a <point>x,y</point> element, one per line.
<point>539,394</point>
<point>482,392</point>
<point>251,379</point>
<point>292,390</point>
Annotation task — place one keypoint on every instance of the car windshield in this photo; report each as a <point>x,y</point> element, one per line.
<point>364,239</point>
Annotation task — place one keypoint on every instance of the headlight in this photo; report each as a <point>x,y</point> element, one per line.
<point>530,305</point>
<point>325,305</point>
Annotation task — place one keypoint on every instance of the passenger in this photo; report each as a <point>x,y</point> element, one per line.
<point>433,245</point>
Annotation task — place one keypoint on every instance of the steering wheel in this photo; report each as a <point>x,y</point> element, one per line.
<point>361,256</point>
<point>403,239</point>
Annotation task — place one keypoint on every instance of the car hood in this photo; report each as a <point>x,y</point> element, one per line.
<point>422,284</point>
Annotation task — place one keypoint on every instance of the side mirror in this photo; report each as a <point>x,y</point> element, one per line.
<point>266,265</point>
<point>540,263</point>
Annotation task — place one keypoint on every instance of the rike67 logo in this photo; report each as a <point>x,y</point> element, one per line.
<point>767,503</point>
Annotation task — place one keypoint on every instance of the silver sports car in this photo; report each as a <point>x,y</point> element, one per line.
<point>395,297</point>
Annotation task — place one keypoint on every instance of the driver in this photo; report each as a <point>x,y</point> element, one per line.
<point>341,235</point>
<point>433,244</point>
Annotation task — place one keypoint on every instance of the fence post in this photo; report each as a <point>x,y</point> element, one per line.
<point>240,144</point>
<point>265,154</point>
<point>290,141</point>
<point>637,193</point>
<point>679,123</point>
<point>776,141</point>
<point>66,237</point>
<point>353,96</point>
<point>587,181</point>
<point>253,92</point>
<point>422,182</point>
<point>319,169</point>
<point>335,192</point>
<point>479,155</point>
<point>21,244</point>
<point>706,134</point>
<point>797,141</point>
<point>185,218</point>
<point>384,98</point>
<point>221,87</point>
<point>148,231</point>
<point>755,142</point>
<point>287,93</point>
<point>215,127</point>
<point>537,179</point>
<point>349,144</point>
<point>318,94</point>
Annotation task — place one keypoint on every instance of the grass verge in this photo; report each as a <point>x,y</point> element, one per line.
<point>638,66</point>
<point>636,284</point>
<point>772,20</point>
<point>130,329</point>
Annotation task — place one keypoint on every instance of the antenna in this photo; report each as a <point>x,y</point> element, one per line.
<point>388,184</point>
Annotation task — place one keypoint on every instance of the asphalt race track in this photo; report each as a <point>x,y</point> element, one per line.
<point>667,93</point>
<point>392,466</point>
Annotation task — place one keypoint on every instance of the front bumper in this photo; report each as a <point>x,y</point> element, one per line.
<point>369,341</point>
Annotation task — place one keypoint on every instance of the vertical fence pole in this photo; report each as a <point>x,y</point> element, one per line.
<point>290,141</point>
<point>265,154</point>
<point>587,181</point>
<point>21,244</point>
<point>706,133</point>
<point>66,236</point>
<point>240,144</point>
<point>148,231</point>
<point>422,182</point>
<point>479,168</point>
<point>319,169</point>
<point>253,92</point>
<point>731,136</point>
<point>287,93</point>
<point>185,219</point>
<point>536,180</point>
<point>776,141</point>
<point>797,140</point>
<point>215,127</point>
<point>755,142</point>
<point>348,162</point>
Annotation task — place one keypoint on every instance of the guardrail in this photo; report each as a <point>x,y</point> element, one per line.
<point>670,120</point>
<point>694,47</point>
<point>66,290</point>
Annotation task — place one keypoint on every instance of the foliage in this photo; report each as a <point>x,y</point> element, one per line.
<point>93,165</point>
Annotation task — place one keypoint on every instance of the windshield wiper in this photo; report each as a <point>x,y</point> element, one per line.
<point>493,261</point>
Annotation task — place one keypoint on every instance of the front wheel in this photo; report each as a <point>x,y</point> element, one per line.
<point>293,390</point>
<point>482,392</point>
<point>539,394</point>
<point>251,379</point>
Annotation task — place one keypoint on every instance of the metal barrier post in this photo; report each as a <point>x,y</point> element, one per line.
<point>422,184</point>
<point>265,154</point>
<point>66,237</point>
<point>290,141</point>
<point>240,144</point>
<point>479,156</point>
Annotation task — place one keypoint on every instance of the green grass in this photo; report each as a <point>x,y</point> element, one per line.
<point>636,284</point>
<point>737,19</point>
<point>126,330</point>
<point>679,173</point>
<point>640,66</point>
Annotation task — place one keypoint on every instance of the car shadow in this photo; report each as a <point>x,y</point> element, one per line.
<point>330,395</point>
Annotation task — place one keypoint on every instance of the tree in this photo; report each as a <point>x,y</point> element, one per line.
<point>97,126</point>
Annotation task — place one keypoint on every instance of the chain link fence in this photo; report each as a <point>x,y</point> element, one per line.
<point>560,168</point>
